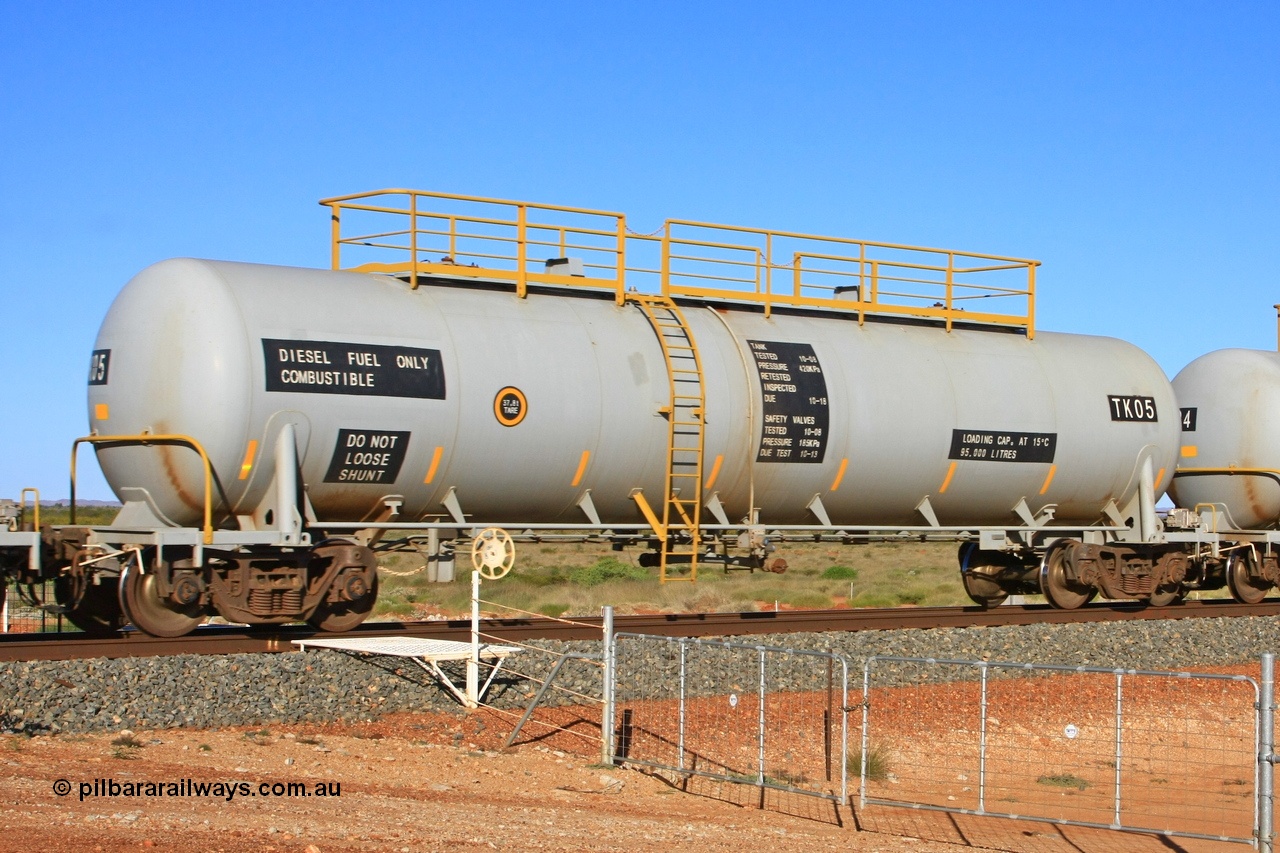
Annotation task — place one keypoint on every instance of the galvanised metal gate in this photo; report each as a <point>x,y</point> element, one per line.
<point>759,715</point>
<point>1174,753</point>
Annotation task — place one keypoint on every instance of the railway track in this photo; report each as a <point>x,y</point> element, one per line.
<point>221,640</point>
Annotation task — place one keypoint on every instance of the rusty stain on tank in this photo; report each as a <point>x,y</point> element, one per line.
<point>1249,423</point>
<point>1251,496</point>
<point>167,451</point>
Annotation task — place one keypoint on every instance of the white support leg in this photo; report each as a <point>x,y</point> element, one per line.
<point>288,520</point>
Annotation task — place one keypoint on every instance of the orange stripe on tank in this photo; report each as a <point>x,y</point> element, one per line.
<point>1053,469</point>
<point>582,468</point>
<point>715,472</point>
<point>835,484</point>
<point>435,463</point>
<point>247,465</point>
<point>951,472</point>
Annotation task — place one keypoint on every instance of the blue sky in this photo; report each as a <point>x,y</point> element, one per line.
<point>1132,147</point>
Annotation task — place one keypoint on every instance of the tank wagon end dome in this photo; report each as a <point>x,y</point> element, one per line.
<point>1230,454</point>
<point>174,356</point>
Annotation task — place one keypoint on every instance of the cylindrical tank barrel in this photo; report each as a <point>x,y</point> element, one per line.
<point>1230,401</point>
<point>519,406</point>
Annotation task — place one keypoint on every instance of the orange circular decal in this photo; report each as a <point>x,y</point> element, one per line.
<point>510,406</point>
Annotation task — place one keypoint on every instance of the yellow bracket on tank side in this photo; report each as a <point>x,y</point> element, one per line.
<point>659,528</point>
<point>148,438</point>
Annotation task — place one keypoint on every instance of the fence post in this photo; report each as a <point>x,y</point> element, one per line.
<point>683,642</point>
<point>1266,751</point>
<point>473,663</point>
<point>982,746</point>
<point>1119,741</point>
<point>761,725</point>
<point>862,753</point>
<point>606,716</point>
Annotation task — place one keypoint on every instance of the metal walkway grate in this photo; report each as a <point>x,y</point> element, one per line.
<point>428,654</point>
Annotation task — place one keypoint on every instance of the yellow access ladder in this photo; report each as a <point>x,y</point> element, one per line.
<point>679,534</point>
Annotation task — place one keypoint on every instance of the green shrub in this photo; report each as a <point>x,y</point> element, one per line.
<point>877,763</point>
<point>543,577</point>
<point>554,610</point>
<point>912,596</point>
<point>807,599</point>
<point>1064,780</point>
<point>392,606</point>
<point>607,569</point>
<point>840,573</point>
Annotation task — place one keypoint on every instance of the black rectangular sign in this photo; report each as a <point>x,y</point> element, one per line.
<point>794,396</point>
<point>1126,408</point>
<point>1188,419</point>
<point>371,370</point>
<point>994,446</point>
<point>367,456</point>
<point>99,367</point>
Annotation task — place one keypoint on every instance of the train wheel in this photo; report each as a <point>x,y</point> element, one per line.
<point>980,587</point>
<point>1241,581</point>
<point>97,610</point>
<point>347,614</point>
<point>1062,592</point>
<point>148,612</point>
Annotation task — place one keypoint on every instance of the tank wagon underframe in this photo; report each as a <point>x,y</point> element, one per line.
<point>706,391</point>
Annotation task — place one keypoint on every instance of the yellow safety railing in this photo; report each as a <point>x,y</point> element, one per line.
<point>147,438</point>
<point>442,234</point>
<point>35,503</point>
<point>480,238</point>
<point>1229,471</point>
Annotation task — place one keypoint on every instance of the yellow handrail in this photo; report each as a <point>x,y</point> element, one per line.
<point>1230,470</point>
<point>35,513</point>
<point>147,438</point>
<point>698,259</point>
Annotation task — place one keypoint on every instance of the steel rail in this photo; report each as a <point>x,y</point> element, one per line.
<point>222,640</point>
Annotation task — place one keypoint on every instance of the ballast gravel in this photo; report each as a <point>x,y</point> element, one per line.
<point>324,685</point>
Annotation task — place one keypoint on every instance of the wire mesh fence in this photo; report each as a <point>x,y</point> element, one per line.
<point>569,692</point>
<point>1172,753</point>
<point>771,717</point>
<point>19,616</point>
